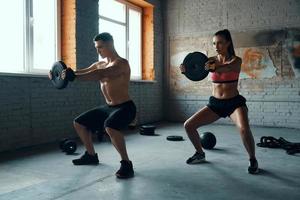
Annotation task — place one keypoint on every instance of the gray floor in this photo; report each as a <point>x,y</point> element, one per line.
<point>161,172</point>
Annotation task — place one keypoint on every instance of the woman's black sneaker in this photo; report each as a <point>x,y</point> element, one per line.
<point>253,166</point>
<point>86,159</point>
<point>126,170</point>
<point>196,158</point>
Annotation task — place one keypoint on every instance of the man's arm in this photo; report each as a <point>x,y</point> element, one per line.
<point>90,68</point>
<point>115,70</point>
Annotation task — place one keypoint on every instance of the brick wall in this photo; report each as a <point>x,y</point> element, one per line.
<point>33,112</point>
<point>68,30</point>
<point>263,24</point>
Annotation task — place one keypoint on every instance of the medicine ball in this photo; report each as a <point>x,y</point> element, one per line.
<point>208,140</point>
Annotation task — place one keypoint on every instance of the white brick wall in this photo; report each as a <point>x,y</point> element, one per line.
<point>271,102</point>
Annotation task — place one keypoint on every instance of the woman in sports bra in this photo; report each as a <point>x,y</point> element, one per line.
<point>225,101</point>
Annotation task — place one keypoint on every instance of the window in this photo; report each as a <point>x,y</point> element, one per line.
<point>29,35</point>
<point>123,21</point>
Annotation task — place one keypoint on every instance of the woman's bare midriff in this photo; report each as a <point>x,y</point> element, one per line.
<point>225,90</point>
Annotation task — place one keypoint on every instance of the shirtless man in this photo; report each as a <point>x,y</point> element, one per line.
<point>117,113</point>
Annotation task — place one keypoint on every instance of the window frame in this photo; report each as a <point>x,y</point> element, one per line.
<point>129,6</point>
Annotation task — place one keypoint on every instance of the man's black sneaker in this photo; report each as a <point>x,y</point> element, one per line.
<point>86,159</point>
<point>253,166</point>
<point>126,170</point>
<point>196,158</point>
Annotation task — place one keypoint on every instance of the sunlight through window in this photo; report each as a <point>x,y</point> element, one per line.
<point>28,36</point>
<point>123,22</point>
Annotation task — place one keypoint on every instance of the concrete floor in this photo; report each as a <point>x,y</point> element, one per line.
<point>161,172</point>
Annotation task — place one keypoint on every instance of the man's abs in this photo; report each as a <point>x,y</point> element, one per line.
<point>115,92</point>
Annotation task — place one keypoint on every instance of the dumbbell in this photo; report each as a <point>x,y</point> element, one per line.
<point>68,146</point>
<point>56,71</point>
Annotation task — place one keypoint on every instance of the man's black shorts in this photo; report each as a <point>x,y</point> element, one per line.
<point>116,117</point>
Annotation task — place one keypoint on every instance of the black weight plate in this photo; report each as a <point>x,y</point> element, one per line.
<point>195,66</point>
<point>175,138</point>
<point>56,71</point>
<point>70,147</point>
<point>147,132</point>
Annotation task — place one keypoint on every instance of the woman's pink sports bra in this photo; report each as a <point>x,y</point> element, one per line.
<point>224,77</point>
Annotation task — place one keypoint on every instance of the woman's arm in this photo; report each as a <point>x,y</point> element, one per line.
<point>232,65</point>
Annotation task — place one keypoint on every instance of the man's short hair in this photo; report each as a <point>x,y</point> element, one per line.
<point>105,37</point>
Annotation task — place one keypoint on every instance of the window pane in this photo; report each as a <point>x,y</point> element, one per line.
<point>113,10</point>
<point>44,33</point>
<point>135,42</point>
<point>119,34</point>
<point>11,36</point>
